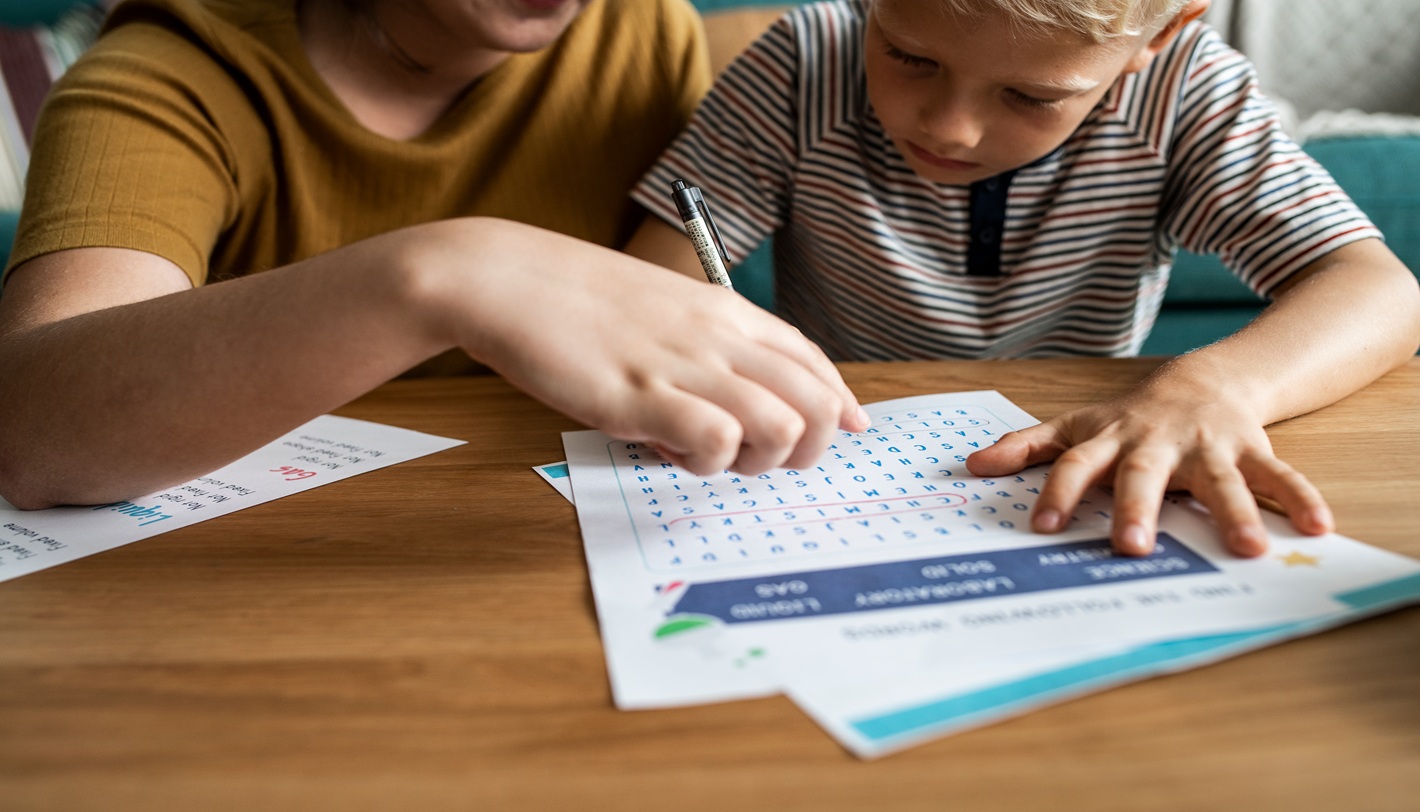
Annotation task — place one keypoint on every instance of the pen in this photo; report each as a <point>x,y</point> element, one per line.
<point>700,226</point>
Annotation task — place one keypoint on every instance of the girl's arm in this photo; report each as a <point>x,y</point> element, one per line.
<point>118,378</point>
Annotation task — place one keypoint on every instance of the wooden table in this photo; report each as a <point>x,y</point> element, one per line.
<point>423,637</point>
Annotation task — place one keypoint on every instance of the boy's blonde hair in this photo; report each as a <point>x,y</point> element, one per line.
<point>1099,20</point>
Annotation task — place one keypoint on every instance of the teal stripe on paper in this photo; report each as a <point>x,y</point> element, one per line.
<point>1000,699</point>
<point>1401,590</point>
<point>556,471</point>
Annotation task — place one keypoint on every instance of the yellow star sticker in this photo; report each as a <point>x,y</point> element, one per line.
<point>1295,558</point>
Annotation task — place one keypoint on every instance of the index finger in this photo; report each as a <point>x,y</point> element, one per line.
<point>787,339</point>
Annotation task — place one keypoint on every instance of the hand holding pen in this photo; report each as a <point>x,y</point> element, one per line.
<point>700,226</point>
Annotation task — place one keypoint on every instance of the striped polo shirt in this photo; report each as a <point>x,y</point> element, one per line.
<point>1068,255</point>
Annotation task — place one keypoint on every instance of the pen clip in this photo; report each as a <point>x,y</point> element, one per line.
<point>690,202</point>
<point>704,206</point>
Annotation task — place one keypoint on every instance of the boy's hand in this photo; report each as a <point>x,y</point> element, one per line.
<point>1196,423</point>
<point>1157,438</point>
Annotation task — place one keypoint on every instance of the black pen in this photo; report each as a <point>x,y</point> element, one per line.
<point>700,226</point>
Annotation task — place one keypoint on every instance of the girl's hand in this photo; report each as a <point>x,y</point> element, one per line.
<point>710,379</point>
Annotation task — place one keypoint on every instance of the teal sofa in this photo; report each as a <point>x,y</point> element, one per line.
<point>8,220</point>
<point>1205,302</point>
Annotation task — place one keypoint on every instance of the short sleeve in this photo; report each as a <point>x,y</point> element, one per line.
<point>129,154</point>
<point>740,147</point>
<point>1239,187</point>
<point>686,59</point>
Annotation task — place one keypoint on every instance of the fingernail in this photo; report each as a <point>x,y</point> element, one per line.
<point>1249,541</point>
<point>1319,520</point>
<point>1134,541</point>
<point>1048,521</point>
<point>864,419</point>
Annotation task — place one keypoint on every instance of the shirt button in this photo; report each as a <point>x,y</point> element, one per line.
<point>986,235</point>
<point>991,184</point>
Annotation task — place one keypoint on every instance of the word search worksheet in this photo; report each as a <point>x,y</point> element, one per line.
<point>889,558</point>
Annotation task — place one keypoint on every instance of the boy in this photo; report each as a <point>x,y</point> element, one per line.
<point>1009,178</point>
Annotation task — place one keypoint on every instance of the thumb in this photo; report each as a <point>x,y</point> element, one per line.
<point>854,418</point>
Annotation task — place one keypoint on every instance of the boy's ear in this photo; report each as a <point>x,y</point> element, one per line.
<point>1185,15</point>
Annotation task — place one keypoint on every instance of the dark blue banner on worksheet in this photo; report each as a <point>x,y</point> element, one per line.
<point>927,581</point>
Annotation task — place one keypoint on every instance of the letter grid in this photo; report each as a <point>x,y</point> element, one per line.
<point>901,482</point>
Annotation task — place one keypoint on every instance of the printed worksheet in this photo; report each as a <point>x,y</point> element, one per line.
<point>557,475</point>
<point>325,450</point>
<point>877,711</point>
<point>889,554</point>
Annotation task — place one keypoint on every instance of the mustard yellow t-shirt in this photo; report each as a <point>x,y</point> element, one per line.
<point>198,131</point>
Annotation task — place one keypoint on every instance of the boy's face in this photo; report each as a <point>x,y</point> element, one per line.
<point>965,99</point>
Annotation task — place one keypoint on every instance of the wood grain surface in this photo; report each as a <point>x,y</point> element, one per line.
<point>423,637</point>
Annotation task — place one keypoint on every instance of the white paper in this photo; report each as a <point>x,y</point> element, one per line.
<point>889,556</point>
<point>632,524</point>
<point>325,450</point>
<point>875,716</point>
<point>557,475</point>
<point>874,708</point>
<point>1198,588</point>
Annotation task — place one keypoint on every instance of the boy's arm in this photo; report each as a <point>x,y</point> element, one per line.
<point>741,155</point>
<point>117,378</point>
<point>661,243</point>
<point>1197,422</point>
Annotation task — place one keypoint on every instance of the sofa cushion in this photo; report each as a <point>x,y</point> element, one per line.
<point>1205,302</point>
<point>1380,173</point>
<point>8,221</point>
